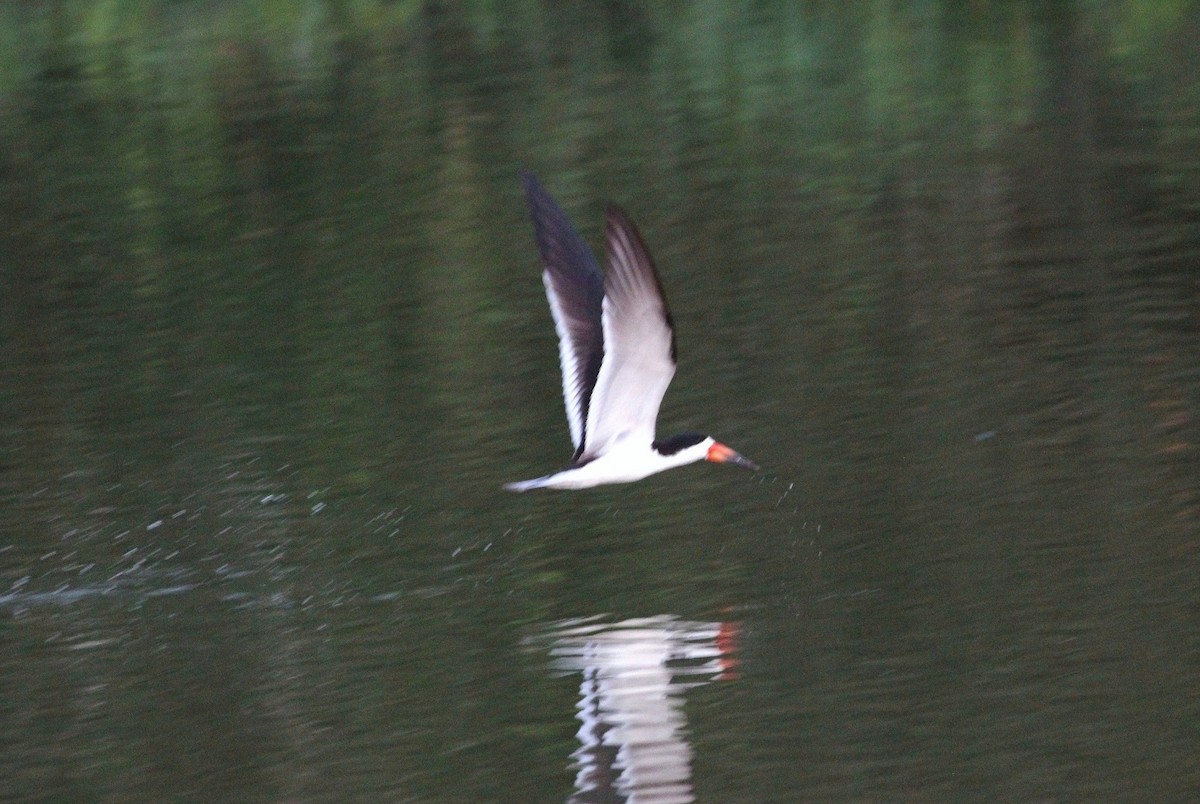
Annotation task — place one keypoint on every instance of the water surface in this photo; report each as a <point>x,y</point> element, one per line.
<point>272,335</point>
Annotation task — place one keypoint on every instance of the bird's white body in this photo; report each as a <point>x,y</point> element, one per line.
<point>616,347</point>
<point>628,460</point>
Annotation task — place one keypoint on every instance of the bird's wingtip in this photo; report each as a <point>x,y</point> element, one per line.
<point>616,214</point>
<point>529,178</point>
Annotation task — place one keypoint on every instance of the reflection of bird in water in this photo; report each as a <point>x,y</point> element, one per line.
<point>632,736</point>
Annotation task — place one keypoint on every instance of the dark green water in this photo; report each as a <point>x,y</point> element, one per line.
<point>272,335</point>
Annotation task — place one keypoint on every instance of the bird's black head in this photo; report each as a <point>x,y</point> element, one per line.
<point>672,445</point>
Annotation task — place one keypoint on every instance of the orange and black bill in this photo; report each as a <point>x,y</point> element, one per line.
<point>719,453</point>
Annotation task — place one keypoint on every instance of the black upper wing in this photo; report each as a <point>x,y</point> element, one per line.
<point>575,290</point>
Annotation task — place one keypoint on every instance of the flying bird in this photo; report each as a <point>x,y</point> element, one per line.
<point>616,344</point>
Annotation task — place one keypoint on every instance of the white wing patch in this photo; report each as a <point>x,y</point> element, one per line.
<point>570,361</point>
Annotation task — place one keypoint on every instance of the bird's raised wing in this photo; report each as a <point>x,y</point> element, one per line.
<point>639,343</point>
<point>575,290</point>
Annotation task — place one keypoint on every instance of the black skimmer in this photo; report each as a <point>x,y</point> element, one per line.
<point>616,343</point>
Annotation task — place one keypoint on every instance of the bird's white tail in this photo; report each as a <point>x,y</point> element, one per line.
<point>526,485</point>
